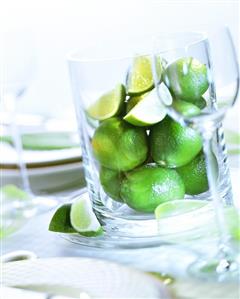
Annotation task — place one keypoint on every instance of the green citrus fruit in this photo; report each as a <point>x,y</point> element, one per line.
<point>186,79</point>
<point>148,111</point>
<point>194,174</point>
<point>177,207</point>
<point>186,108</point>
<point>111,182</point>
<point>134,100</point>
<point>146,187</point>
<point>118,145</point>
<point>201,103</point>
<point>109,104</point>
<point>140,77</point>
<point>83,219</point>
<point>173,145</point>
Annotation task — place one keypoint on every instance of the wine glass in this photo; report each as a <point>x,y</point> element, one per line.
<point>211,66</point>
<point>17,68</point>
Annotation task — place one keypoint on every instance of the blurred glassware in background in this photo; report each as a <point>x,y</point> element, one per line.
<point>215,54</point>
<point>17,69</point>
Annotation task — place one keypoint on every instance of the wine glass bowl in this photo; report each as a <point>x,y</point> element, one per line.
<point>206,76</point>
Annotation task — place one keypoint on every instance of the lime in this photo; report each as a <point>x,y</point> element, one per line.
<point>140,77</point>
<point>146,187</point>
<point>177,207</point>
<point>186,108</point>
<point>60,221</point>
<point>194,174</point>
<point>82,217</point>
<point>187,79</point>
<point>118,145</point>
<point>173,145</point>
<point>148,111</point>
<point>200,103</point>
<point>134,100</point>
<point>111,182</point>
<point>109,104</point>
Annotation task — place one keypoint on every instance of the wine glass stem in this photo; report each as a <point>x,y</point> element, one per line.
<point>224,239</point>
<point>17,140</point>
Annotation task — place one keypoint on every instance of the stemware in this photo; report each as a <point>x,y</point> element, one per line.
<point>218,55</point>
<point>125,181</point>
<point>17,68</point>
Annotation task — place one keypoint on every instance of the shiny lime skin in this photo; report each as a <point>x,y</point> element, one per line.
<point>186,108</point>
<point>111,182</point>
<point>173,145</point>
<point>187,79</point>
<point>146,187</point>
<point>194,174</point>
<point>118,145</point>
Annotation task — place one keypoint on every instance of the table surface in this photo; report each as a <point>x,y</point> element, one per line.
<point>34,236</point>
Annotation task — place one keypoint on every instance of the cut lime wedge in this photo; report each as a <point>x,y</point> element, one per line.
<point>109,104</point>
<point>140,77</point>
<point>60,221</point>
<point>178,207</point>
<point>149,110</point>
<point>82,217</point>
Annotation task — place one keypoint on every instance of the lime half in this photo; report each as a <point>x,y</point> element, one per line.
<point>178,207</point>
<point>82,217</point>
<point>149,110</point>
<point>140,77</point>
<point>109,104</point>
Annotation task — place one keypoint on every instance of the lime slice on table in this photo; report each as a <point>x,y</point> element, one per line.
<point>194,211</point>
<point>83,219</point>
<point>149,110</point>
<point>109,104</point>
<point>176,207</point>
<point>140,77</point>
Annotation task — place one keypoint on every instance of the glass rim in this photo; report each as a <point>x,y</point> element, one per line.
<point>200,36</point>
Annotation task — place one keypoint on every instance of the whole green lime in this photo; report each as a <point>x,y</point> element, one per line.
<point>173,145</point>
<point>186,108</point>
<point>118,145</point>
<point>146,187</point>
<point>201,103</point>
<point>187,79</point>
<point>194,174</point>
<point>111,182</point>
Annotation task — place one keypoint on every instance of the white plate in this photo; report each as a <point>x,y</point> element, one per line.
<point>8,157</point>
<point>49,178</point>
<point>71,276</point>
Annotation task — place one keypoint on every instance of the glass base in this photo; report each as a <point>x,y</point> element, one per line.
<point>125,229</point>
<point>217,269</point>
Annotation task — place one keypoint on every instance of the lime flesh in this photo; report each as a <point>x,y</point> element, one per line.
<point>109,104</point>
<point>176,207</point>
<point>149,110</point>
<point>82,217</point>
<point>140,77</point>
